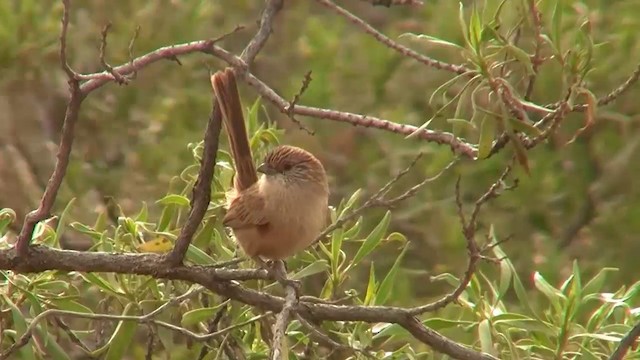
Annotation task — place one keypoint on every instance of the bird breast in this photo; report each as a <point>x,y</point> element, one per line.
<point>297,210</point>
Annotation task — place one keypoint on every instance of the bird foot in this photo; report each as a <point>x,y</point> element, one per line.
<point>278,270</point>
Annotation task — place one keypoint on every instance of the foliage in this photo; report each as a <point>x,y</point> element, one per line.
<point>577,187</point>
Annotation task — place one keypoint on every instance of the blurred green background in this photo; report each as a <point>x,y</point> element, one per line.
<point>582,200</point>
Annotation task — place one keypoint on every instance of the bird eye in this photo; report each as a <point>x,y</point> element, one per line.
<point>287,167</point>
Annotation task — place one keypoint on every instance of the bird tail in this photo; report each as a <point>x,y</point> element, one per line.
<point>226,92</point>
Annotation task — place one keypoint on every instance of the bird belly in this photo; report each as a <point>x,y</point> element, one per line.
<point>293,226</point>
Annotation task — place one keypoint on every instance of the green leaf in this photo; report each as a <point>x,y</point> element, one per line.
<point>199,257</point>
<point>101,283</point>
<point>174,199</point>
<point>506,273</point>
<point>521,293</point>
<point>447,277</point>
<point>352,201</point>
<point>53,349</point>
<point>62,221</point>
<point>193,317</point>
<point>143,215</point>
<point>20,326</point>
<point>556,26</point>
<point>70,305</point>
<point>486,339</point>
<point>384,291</point>
<point>336,247</point>
<point>463,24</point>
<point>475,30</point>
<point>372,240</point>
<point>464,122</point>
<point>166,217</point>
<point>553,294</point>
<point>524,126</point>
<point>84,229</point>
<point>315,267</point>
<point>432,40</point>
<point>520,151</point>
<point>371,286</point>
<point>7,216</point>
<point>597,282</point>
<point>123,335</point>
<point>487,133</point>
<point>522,57</point>
<point>354,230</point>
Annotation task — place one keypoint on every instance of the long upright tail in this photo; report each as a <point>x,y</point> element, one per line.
<point>226,90</point>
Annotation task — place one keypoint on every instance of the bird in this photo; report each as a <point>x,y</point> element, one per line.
<point>279,208</point>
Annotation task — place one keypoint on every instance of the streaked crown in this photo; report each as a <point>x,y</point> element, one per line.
<point>296,163</point>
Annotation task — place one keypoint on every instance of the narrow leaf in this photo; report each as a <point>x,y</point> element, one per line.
<point>373,240</point>
<point>123,335</point>
<point>384,290</point>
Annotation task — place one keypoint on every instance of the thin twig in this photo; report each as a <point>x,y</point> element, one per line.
<point>403,50</point>
<point>626,343</point>
<point>305,84</point>
<point>262,35</point>
<point>474,252</point>
<point>120,79</point>
<point>536,60</point>
<point>145,319</point>
<point>64,147</point>
<point>202,188</point>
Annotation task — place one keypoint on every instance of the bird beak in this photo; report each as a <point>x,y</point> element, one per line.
<point>266,169</point>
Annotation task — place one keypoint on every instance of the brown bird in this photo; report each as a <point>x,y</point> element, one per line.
<point>280,213</point>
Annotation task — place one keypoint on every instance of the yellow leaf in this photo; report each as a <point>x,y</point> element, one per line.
<point>157,245</point>
<point>590,114</point>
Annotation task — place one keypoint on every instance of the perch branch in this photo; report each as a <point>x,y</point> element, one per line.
<point>224,283</point>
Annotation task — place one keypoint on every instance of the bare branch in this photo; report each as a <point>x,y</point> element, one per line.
<point>305,85</point>
<point>457,145</point>
<point>389,3</point>
<point>120,79</point>
<point>469,232</point>
<point>64,148</point>
<point>279,344</point>
<point>266,27</point>
<point>403,50</point>
<point>627,342</point>
<point>202,189</point>
<point>611,96</point>
<point>536,60</point>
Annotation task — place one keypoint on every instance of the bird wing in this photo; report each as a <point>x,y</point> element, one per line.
<point>246,210</point>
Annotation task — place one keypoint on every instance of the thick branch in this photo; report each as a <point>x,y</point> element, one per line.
<point>219,280</point>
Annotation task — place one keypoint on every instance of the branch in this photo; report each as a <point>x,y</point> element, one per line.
<point>64,148</point>
<point>202,189</point>
<point>536,60</point>
<point>266,27</point>
<point>627,342</point>
<point>224,283</point>
<point>403,50</point>
<point>279,346</point>
<point>469,232</point>
<point>440,137</point>
<point>121,80</point>
<point>144,319</point>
